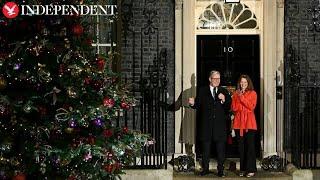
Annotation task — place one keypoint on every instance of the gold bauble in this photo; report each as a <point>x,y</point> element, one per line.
<point>68,130</point>
<point>3,83</point>
<point>71,92</point>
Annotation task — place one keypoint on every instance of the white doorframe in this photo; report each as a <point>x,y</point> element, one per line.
<point>270,18</point>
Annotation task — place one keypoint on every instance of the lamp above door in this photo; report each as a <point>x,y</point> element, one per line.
<point>231,1</point>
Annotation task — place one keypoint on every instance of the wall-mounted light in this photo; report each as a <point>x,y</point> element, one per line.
<point>231,1</point>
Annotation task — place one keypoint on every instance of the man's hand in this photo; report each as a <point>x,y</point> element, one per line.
<point>222,97</point>
<point>191,101</point>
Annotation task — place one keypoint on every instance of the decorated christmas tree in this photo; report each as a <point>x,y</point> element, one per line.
<point>59,101</point>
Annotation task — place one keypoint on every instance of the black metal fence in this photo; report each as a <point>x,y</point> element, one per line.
<point>304,126</point>
<point>146,64</point>
<point>149,115</point>
<point>302,116</point>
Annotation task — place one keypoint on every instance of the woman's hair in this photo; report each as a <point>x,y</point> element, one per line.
<point>250,84</point>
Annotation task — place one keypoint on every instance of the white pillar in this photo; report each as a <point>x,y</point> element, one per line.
<point>269,73</point>
<point>178,70</point>
<point>184,57</point>
<point>280,72</point>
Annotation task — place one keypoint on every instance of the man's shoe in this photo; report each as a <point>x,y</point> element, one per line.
<point>241,174</point>
<point>221,174</point>
<point>204,172</point>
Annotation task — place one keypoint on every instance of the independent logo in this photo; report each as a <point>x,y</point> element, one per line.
<point>10,10</point>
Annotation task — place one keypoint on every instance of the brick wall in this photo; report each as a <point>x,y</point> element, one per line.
<point>303,58</point>
<point>148,27</point>
<point>300,34</point>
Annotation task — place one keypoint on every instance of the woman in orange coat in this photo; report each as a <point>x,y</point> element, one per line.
<point>244,101</point>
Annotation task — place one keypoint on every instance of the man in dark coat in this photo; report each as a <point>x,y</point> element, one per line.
<point>213,104</point>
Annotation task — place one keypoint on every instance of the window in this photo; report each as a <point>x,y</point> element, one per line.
<point>227,16</point>
<point>105,30</point>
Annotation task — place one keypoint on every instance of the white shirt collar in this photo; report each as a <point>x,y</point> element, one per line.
<point>211,89</point>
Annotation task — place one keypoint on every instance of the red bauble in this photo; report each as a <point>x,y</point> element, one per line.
<point>125,130</point>
<point>107,133</point>
<point>101,64</point>
<point>42,111</point>
<point>72,177</point>
<point>97,85</point>
<point>77,30</point>
<point>89,42</point>
<point>87,80</point>
<point>124,105</point>
<point>117,166</point>
<point>108,168</point>
<point>61,69</point>
<point>108,102</point>
<point>20,176</point>
<point>91,140</point>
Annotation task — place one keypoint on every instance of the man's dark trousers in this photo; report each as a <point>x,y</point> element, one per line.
<point>220,147</point>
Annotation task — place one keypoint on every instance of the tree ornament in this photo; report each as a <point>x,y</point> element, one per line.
<point>91,140</point>
<point>117,166</point>
<point>72,123</point>
<point>61,69</point>
<point>97,85</point>
<point>69,130</point>
<point>54,94</point>
<point>77,30</point>
<point>89,42</point>
<point>101,64</point>
<point>124,105</point>
<point>107,133</point>
<point>75,70</point>
<point>36,50</point>
<point>27,108</point>
<point>108,168</point>
<point>19,176</point>
<point>87,80</point>
<point>98,122</point>
<point>108,102</point>
<point>5,147</point>
<point>3,174</point>
<point>72,177</point>
<point>87,156</point>
<point>55,161</point>
<point>71,92</point>
<point>42,111</point>
<point>3,83</point>
<point>16,66</point>
<point>44,74</point>
<point>109,155</point>
<point>125,130</point>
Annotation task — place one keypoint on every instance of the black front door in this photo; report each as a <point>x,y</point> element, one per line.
<point>232,55</point>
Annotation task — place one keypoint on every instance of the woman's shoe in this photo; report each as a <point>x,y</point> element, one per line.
<point>241,174</point>
<point>250,175</point>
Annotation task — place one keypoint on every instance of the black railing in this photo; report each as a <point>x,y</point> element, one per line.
<point>304,126</point>
<point>302,115</point>
<point>149,115</point>
<point>148,76</point>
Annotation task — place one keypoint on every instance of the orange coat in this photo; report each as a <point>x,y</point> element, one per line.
<point>243,108</point>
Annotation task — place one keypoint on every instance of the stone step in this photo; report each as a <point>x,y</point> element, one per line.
<point>231,175</point>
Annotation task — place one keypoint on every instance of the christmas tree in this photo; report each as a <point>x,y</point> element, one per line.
<point>59,101</point>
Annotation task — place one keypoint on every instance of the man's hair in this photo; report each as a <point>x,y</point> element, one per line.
<point>213,72</point>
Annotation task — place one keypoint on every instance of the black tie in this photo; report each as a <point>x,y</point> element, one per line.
<point>214,92</point>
